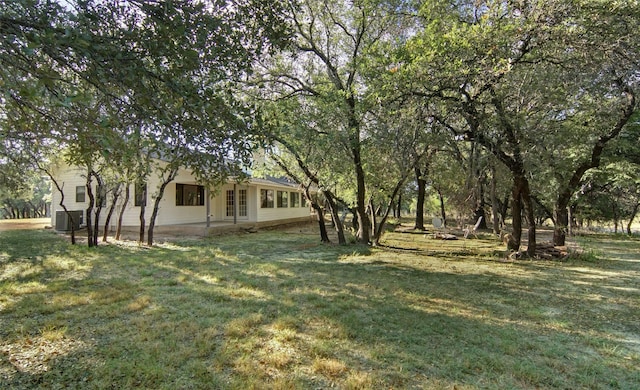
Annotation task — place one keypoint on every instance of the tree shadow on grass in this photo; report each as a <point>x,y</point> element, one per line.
<point>258,310</point>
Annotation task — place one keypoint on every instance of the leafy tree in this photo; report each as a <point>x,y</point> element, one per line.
<point>81,67</point>
<point>505,77</point>
<point>326,69</point>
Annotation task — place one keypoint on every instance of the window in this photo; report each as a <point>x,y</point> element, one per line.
<point>295,199</point>
<point>242,203</point>
<point>140,194</point>
<point>266,199</point>
<point>283,199</point>
<point>189,195</point>
<point>230,203</point>
<point>80,192</point>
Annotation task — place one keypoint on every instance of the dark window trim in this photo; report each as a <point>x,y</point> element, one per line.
<point>81,193</point>
<point>183,189</point>
<point>265,202</point>
<point>283,199</point>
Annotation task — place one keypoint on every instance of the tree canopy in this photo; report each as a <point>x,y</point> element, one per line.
<point>360,99</point>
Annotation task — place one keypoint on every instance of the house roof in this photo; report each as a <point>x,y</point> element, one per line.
<point>274,181</point>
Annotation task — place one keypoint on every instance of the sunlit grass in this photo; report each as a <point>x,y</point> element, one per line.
<point>282,311</point>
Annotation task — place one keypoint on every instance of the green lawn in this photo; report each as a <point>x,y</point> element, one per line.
<point>280,310</point>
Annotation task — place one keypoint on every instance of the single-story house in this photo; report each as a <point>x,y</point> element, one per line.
<point>255,202</point>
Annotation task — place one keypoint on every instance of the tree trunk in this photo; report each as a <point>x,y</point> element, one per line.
<point>494,202</point>
<point>143,206</point>
<point>68,214</point>
<point>156,204</point>
<point>89,210</point>
<point>60,189</point>
<point>100,198</point>
<point>324,235</point>
<point>632,217</point>
<point>380,229</point>
<point>337,222</point>
<point>364,224</point>
<point>443,214</point>
<point>570,210</point>
<point>521,200</point>
<point>479,211</point>
<point>422,189</point>
<point>354,220</point>
<point>122,210</point>
<point>561,218</point>
<point>372,218</point>
<point>530,213</point>
<point>516,211</point>
<point>116,194</point>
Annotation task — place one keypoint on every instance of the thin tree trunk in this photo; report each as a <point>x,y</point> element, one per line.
<point>98,207</point>
<point>89,210</point>
<point>422,189</point>
<point>479,212</point>
<point>116,194</point>
<point>443,213</point>
<point>60,189</point>
<point>324,235</point>
<point>156,204</point>
<point>516,217</point>
<point>122,210</point>
<point>67,213</point>
<point>494,201</point>
<point>143,206</point>
<point>632,217</point>
<point>530,213</point>
<point>337,222</point>
<point>372,218</point>
<point>380,229</point>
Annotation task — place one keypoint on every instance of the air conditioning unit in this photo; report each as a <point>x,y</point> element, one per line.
<point>64,222</point>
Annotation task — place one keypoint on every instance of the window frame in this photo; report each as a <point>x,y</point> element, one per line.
<point>81,196</point>
<point>230,202</point>
<point>242,202</point>
<point>294,197</point>
<point>282,199</point>
<point>190,195</point>
<point>267,200</point>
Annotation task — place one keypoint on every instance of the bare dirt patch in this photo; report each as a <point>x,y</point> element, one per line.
<point>25,224</point>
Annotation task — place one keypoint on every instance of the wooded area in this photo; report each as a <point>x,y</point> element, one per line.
<point>520,111</point>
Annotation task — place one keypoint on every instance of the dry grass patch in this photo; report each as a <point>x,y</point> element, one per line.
<point>359,381</point>
<point>241,327</point>
<point>331,368</point>
<point>140,303</point>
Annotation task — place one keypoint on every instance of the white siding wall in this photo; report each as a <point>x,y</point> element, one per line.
<point>276,213</point>
<point>169,213</point>
<point>68,180</point>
